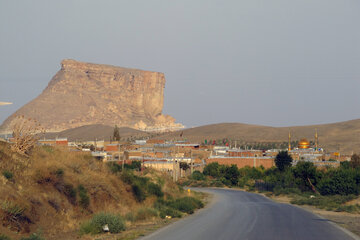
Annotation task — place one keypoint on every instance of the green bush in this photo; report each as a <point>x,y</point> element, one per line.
<point>128,177</point>
<point>334,202</point>
<point>130,217</point>
<point>232,174</point>
<point>70,193</point>
<point>155,189</point>
<point>303,173</point>
<point>197,175</point>
<point>146,213</point>
<point>212,169</point>
<point>186,204</point>
<point>84,198</point>
<point>33,236</point>
<point>114,167</point>
<point>115,223</point>
<point>340,181</point>
<point>7,174</point>
<point>349,208</point>
<point>138,192</point>
<point>135,165</point>
<point>167,211</point>
<point>4,237</point>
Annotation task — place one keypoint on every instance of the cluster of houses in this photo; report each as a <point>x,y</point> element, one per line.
<point>180,158</point>
<point>167,155</point>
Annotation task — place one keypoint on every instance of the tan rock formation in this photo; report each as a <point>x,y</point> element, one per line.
<point>85,93</point>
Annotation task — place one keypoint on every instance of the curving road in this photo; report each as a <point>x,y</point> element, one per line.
<point>241,215</point>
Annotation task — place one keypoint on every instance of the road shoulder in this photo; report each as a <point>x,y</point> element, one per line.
<point>348,222</point>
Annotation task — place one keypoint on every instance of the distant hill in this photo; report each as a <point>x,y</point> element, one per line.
<point>343,136</point>
<point>95,131</point>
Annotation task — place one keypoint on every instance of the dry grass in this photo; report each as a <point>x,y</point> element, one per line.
<point>44,184</point>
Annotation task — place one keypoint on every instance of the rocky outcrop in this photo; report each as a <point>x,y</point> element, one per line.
<point>85,93</point>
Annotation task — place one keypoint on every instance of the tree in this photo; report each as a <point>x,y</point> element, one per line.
<point>212,169</point>
<point>184,166</point>
<point>26,133</point>
<point>305,174</point>
<point>339,181</point>
<point>232,174</point>
<point>283,160</point>
<point>355,161</point>
<point>116,134</point>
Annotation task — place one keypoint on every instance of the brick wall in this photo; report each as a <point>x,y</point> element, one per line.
<point>244,161</point>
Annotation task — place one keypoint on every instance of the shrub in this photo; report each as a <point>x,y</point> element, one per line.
<point>94,226</point>
<point>7,174</point>
<point>4,237</point>
<point>334,202</point>
<point>186,204</point>
<point>146,213</point>
<point>155,189</point>
<point>130,217</point>
<point>340,181</point>
<point>59,172</point>
<point>33,236</point>
<point>128,177</point>
<point>70,193</point>
<point>136,165</point>
<point>197,175</point>
<point>212,169</point>
<point>349,208</point>
<point>167,211</point>
<point>13,211</point>
<point>232,174</point>
<point>138,192</point>
<point>305,174</point>
<point>84,198</point>
<point>114,167</point>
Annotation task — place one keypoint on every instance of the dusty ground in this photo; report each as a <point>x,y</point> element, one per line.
<point>349,221</point>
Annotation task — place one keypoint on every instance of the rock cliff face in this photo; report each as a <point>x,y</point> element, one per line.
<point>84,93</point>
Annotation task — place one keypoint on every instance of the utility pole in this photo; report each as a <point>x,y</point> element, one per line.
<point>316,140</point>
<point>289,147</point>
<point>123,162</point>
<point>191,163</point>
<point>173,172</point>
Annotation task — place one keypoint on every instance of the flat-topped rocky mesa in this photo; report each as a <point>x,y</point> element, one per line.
<point>85,93</point>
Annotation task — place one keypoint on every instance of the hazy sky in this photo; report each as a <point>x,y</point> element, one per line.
<point>270,62</point>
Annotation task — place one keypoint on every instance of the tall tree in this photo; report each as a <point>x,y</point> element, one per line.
<point>355,161</point>
<point>283,160</point>
<point>116,134</point>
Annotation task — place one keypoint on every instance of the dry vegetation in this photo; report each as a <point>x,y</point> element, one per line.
<point>55,191</point>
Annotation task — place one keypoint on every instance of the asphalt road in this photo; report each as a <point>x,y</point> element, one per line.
<point>241,215</point>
